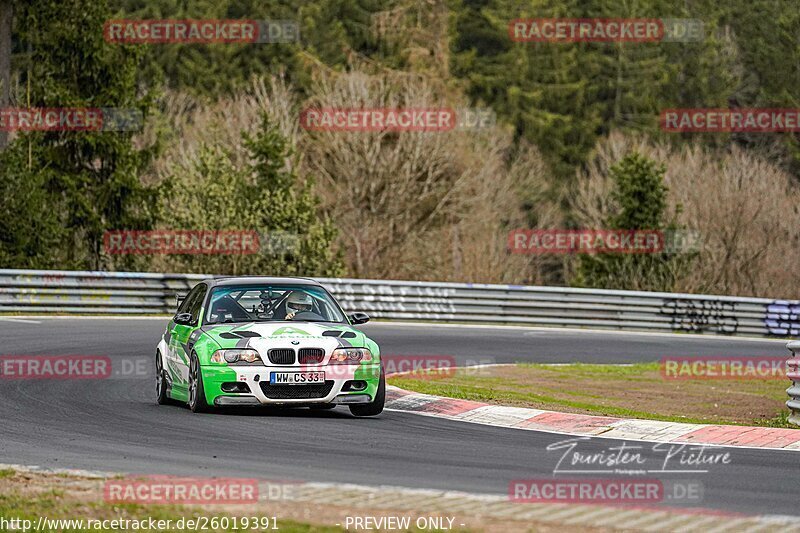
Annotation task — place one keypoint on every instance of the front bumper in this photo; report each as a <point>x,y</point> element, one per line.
<point>262,393</point>
<point>246,399</point>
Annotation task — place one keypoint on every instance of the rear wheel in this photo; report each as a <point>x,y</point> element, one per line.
<point>197,394</point>
<point>161,381</point>
<point>375,407</point>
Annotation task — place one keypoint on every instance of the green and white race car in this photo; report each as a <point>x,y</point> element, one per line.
<point>259,340</point>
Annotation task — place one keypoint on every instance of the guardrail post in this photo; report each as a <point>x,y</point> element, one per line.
<point>793,373</point>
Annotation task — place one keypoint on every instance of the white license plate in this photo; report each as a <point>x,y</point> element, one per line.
<point>296,378</point>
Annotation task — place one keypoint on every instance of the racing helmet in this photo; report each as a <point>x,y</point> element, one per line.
<point>299,301</point>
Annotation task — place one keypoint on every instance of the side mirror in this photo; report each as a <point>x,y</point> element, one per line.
<point>359,318</point>
<point>184,319</point>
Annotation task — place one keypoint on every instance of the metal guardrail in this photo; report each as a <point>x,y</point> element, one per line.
<point>793,373</point>
<point>52,291</point>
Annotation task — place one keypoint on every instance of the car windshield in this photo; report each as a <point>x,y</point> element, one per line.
<point>272,303</point>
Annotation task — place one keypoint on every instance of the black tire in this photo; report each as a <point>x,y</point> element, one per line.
<point>197,395</point>
<point>161,381</point>
<point>375,407</point>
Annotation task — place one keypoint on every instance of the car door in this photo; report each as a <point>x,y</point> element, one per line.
<point>171,357</point>
<point>181,339</point>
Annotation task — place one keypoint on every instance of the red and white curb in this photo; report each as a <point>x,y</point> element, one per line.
<point>596,426</point>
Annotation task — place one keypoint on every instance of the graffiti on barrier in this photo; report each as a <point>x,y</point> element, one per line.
<point>713,316</point>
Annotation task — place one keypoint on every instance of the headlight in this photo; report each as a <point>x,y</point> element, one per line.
<point>350,356</point>
<point>237,357</point>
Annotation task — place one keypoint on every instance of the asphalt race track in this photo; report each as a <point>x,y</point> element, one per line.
<point>115,425</point>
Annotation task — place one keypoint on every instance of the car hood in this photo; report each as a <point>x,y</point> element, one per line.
<point>284,335</point>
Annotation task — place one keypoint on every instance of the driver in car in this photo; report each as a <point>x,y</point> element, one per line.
<point>298,302</point>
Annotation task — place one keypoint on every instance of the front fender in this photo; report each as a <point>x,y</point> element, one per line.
<point>162,349</point>
<point>205,347</point>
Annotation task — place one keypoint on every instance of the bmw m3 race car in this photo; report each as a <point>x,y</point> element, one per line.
<point>259,341</point>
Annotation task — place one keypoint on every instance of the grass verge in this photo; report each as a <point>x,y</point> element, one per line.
<point>611,390</point>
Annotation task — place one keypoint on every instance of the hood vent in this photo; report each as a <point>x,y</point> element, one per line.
<point>239,335</point>
<point>339,334</point>
<point>247,334</point>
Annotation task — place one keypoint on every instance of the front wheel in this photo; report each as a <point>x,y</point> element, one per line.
<point>197,393</point>
<point>161,381</point>
<point>375,407</point>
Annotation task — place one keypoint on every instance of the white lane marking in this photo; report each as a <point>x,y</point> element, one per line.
<point>619,519</point>
<point>87,317</point>
<point>527,330</point>
<point>685,336</point>
<point>470,367</point>
<point>533,330</point>
<point>591,515</point>
<point>734,525</point>
<point>20,320</point>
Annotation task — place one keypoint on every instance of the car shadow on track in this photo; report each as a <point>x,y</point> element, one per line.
<point>275,412</point>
